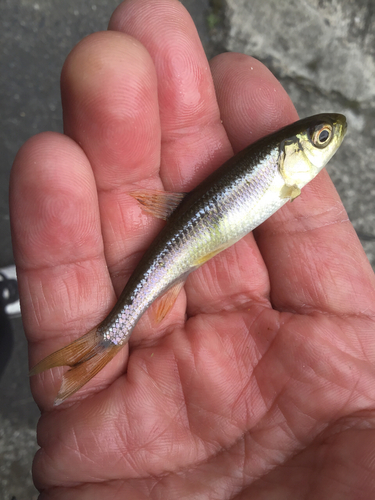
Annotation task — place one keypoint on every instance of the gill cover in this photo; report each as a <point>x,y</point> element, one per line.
<point>303,155</point>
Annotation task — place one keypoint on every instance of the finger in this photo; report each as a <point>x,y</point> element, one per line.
<point>109,95</point>
<point>252,101</point>
<point>252,104</point>
<point>64,284</point>
<point>319,263</point>
<point>193,140</point>
<point>313,256</point>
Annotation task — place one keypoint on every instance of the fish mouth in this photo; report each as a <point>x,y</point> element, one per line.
<point>339,124</point>
<point>345,126</point>
<point>340,120</point>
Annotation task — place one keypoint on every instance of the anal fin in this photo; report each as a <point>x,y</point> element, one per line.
<point>208,256</point>
<point>161,307</point>
<point>160,204</point>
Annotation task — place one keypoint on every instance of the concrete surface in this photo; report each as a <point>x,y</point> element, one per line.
<point>322,51</point>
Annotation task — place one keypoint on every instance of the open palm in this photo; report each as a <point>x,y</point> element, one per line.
<point>260,383</point>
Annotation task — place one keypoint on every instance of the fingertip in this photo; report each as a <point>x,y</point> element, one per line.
<point>130,9</point>
<point>193,139</point>
<point>97,72</point>
<point>43,145</point>
<point>39,167</point>
<point>53,207</point>
<point>98,55</point>
<point>252,101</point>
<point>109,97</point>
<point>45,162</point>
<point>168,32</point>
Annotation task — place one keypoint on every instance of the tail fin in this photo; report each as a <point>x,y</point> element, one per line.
<point>86,356</point>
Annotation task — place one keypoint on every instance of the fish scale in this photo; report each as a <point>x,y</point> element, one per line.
<point>205,230</point>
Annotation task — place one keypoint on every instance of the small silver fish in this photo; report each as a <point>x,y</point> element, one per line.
<point>231,202</point>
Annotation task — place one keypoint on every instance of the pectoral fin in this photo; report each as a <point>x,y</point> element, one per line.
<point>160,204</point>
<point>291,192</point>
<point>288,150</point>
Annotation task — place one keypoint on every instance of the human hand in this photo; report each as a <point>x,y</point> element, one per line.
<point>266,389</point>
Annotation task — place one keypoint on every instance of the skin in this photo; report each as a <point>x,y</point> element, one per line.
<point>260,383</point>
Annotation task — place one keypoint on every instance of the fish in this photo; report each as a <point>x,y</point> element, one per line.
<point>231,202</point>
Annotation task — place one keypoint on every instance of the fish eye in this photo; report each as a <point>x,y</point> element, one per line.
<point>321,135</point>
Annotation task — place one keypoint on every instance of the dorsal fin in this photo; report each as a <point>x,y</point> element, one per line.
<point>160,204</point>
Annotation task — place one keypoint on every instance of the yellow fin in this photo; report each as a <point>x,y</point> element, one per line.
<point>86,355</point>
<point>161,307</point>
<point>208,256</point>
<point>291,192</point>
<point>160,204</point>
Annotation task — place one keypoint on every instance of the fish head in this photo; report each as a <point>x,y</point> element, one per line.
<point>308,150</point>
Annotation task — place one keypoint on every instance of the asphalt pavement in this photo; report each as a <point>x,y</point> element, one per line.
<point>35,38</point>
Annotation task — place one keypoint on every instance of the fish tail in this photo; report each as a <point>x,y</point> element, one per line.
<point>86,356</point>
